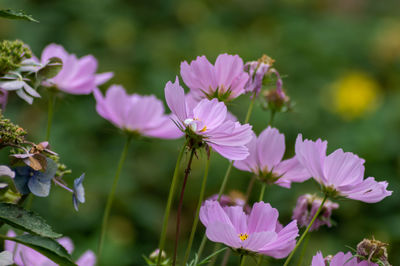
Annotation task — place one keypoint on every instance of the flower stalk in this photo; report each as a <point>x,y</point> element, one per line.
<point>111,197</point>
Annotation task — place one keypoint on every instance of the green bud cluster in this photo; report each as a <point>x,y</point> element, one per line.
<point>10,134</point>
<point>11,55</point>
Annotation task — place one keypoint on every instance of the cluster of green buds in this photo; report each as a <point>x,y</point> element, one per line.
<point>10,134</point>
<point>12,53</point>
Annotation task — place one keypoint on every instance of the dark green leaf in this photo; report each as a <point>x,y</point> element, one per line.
<point>46,246</point>
<point>11,14</point>
<point>25,220</point>
<point>51,69</point>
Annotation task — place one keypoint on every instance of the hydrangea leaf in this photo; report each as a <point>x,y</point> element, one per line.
<point>50,70</point>
<point>25,220</point>
<point>46,246</point>
<point>12,14</point>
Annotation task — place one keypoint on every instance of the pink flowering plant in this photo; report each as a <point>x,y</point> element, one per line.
<point>202,122</point>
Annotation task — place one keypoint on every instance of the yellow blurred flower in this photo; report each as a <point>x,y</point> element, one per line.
<point>354,95</point>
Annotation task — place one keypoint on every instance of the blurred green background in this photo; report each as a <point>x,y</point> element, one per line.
<point>341,60</point>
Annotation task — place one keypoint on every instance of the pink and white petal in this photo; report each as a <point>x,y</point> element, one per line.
<point>227,68</point>
<point>231,152</point>
<point>312,156</point>
<point>175,97</point>
<point>290,170</point>
<point>211,113</point>
<point>284,243</point>
<point>369,191</point>
<point>262,218</point>
<point>166,130</point>
<point>87,259</point>
<point>223,233</point>
<point>103,78</point>
<point>211,212</point>
<point>237,217</point>
<point>270,148</point>
<point>67,243</point>
<point>12,85</point>
<point>249,164</point>
<point>343,168</point>
<point>257,241</point>
<point>318,260</point>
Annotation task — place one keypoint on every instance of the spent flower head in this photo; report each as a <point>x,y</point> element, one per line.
<point>372,250</point>
<point>306,207</point>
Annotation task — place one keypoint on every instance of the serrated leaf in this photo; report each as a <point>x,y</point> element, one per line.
<point>26,220</point>
<point>46,246</point>
<point>12,14</point>
<point>51,69</point>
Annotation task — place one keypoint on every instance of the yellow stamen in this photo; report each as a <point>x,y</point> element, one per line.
<point>204,129</point>
<point>243,237</point>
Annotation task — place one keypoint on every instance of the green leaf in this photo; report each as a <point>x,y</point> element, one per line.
<point>51,69</point>
<point>25,220</point>
<point>11,14</point>
<point>46,246</point>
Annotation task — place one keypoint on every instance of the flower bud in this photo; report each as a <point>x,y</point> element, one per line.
<point>257,70</point>
<point>306,207</point>
<point>373,251</point>
<point>154,255</point>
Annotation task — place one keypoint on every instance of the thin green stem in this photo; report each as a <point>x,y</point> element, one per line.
<point>303,250</point>
<point>50,112</point>
<point>196,219</point>
<point>111,197</point>
<point>306,231</point>
<point>169,203</point>
<point>214,259</point>
<point>242,260</point>
<point>250,188</point>
<point>225,180</point>
<point>250,109</point>
<point>263,186</point>
<point>178,216</point>
<point>260,260</point>
<point>271,118</point>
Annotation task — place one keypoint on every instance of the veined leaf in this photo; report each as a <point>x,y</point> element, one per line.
<point>26,220</point>
<point>12,14</point>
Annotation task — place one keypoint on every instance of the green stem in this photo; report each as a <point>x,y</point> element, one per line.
<point>196,219</point>
<point>242,260</point>
<point>264,185</point>
<point>250,109</point>
<point>169,203</point>
<point>303,250</point>
<point>111,197</point>
<point>50,112</point>
<point>271,118</point>
<point>225,180</point>
<point>178,216</point>
<point>306,231</point>
<point>260,259</point>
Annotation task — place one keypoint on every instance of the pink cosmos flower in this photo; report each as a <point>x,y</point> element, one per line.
<point>340,173</point>
<point>265,160</point>
<point>340,259</point>
<point>257,232</point>
<point>234,198</point>
<point>225,80</point>
<point>135,113</point>
<point>27,256</point>
<point>207,123</point>
<point>77,76</point>
<point>306,207</point>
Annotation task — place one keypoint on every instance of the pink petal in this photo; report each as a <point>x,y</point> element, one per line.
<point>312,155</point>
<point>175,97</point>
<point>318,260</point>
<point>87,259</point>
<point>249,164</point>
<point>212,212</point>
<point>199,75</point>
<point>262,218</point>
<point>229,74</point>
<point>237,217</point>
<point>367,191</point>
<point>256,241</point>
<point>343,168</point>
<point>103,78</point>
<point>270,147</point>
<point>210,113</point>
<point>67,243</point>
<point>223,233</point>
<point>290,171</point>
<point>231,152</point>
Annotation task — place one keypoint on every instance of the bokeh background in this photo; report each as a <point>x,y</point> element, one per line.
<point>341,61</point>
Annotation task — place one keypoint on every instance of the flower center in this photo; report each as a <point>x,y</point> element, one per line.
<point>243,237</point>
<point>192,124</point>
